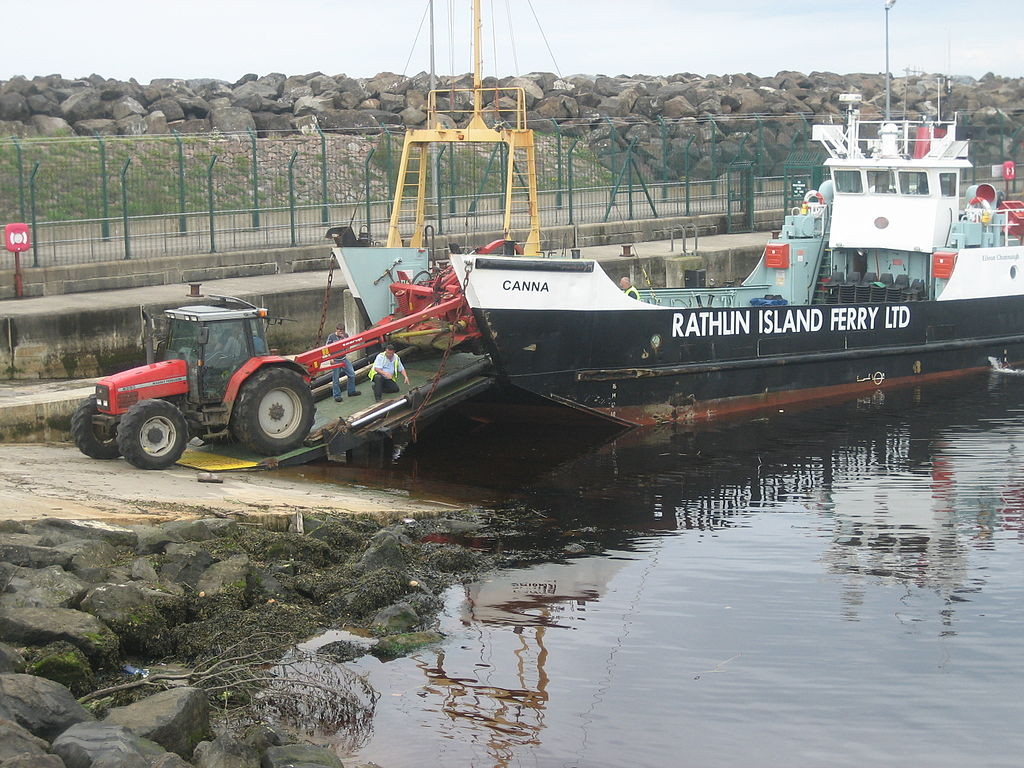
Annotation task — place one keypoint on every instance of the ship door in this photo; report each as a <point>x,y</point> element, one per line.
<point>739,216</point>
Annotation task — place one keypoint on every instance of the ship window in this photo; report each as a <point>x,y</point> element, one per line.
<point>881,182</point>
<point>914,182</point>
<point>947,184</point>
<point>849,182</point>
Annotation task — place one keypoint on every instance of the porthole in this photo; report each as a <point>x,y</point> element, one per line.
<point>1013,272</point>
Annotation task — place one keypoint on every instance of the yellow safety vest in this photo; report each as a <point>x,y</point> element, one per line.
<point>632,293</point>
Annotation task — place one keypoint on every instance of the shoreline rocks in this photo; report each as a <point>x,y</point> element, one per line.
<point>101,609</point>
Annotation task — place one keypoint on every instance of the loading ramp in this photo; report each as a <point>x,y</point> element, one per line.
<point>435,385</point>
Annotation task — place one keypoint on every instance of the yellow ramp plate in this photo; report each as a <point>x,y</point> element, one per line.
<point>213,462</point>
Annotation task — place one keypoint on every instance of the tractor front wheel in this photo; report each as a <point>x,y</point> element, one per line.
<point>274,411</point>
<point>91,439</point>
<point>152,435</point>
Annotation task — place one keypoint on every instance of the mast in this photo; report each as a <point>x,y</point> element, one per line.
<point>510,129</point>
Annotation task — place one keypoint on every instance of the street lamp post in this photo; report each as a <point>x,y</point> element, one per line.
<point>888,108</point>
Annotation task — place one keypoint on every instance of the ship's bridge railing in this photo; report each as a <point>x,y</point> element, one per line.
<point>914,138</point>
<point>497,105</point>
<point>705,298</point>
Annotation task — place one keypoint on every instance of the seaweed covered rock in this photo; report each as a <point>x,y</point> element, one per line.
<point>140,617</point>
<point>41,626</point>
<point>394,646</point>
<point>395,619</point>
<point>225,752</point>
<point>65,664</point>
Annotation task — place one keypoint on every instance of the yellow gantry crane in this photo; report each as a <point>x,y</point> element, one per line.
<point>506,107</point>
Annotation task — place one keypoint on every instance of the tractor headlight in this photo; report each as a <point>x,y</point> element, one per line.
<point>102,397</point>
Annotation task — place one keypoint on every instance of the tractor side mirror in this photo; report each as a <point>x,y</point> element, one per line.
<point>203,337</point>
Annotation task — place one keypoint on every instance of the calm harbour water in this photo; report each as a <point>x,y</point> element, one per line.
<point>842,586</point>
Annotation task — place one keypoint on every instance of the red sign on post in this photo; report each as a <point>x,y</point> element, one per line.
<point>16,238</point>
<point>1009,170</point>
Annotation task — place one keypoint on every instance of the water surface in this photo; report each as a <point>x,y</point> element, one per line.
<point>837,587</point>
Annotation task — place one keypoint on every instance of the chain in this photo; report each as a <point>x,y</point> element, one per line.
<point>327,301</point>
<point>444,358</point>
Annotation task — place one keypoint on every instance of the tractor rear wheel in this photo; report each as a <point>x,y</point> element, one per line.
<point>152,435</point>
<point>93,441</point>
<point>274,411</point>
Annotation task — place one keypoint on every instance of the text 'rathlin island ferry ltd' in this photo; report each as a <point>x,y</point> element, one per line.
<point>880,278</point>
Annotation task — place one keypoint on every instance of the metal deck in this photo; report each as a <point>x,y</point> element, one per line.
<point>356,422</point>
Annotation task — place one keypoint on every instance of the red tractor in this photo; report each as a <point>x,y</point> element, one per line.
<point>210,376</point>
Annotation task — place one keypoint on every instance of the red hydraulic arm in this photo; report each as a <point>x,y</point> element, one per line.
<point>452,309</point>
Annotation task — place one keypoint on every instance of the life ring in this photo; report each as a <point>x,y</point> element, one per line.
<point>978,209</point>
<point>980,202</point>
<point>814,196</point>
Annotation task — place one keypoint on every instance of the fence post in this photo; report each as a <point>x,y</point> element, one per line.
<point>686,172</point>
<point>209,193</point>
<point>21,178</point>
<point>182,223</point>
<point>255,180</point>
<point>32,205</point>
<point>451,177</point>
<point>714,157</point>
<point>664,157</point>
<point>124,209</point>
<point>389,167</point>
<point>760,145</point>
<point>572,148</point>
<point>105,202</point>
<point>558,161</point>
<point>325,215</point>
<point>437,189</point>
<point>366,187</point>
<point>291,195</point>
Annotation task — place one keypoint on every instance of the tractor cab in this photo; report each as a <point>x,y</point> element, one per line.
<point>215,341</point>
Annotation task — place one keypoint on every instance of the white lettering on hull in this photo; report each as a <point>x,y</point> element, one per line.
<point>774,321</point>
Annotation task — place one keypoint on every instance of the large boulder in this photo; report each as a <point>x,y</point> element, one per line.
<point>231,120</point>
<point>48,126</point>
<point>299,756</point>
<point>44,708</point>
<point>102,744</point>
<point>44,587</point>
<point>91,559</point>
<point>84,104</point>
<point>26,550</point>
<point>15,740</point>
<point>13,106</point>
<point>185,564</point>
<point>176,719</point>
<point>203,529</point>
<point>387,549</point>
<point>42,626</point>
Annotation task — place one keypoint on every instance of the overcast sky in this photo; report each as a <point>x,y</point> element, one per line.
<point>213,38</point>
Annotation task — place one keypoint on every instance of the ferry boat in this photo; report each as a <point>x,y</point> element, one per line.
<point>878,278</point>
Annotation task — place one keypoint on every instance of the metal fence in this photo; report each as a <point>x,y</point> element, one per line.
<point>108,198</point>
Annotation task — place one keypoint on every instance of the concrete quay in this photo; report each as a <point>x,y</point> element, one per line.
<point>53,347</point>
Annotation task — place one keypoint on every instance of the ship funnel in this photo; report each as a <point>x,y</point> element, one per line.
<point>889,136</point>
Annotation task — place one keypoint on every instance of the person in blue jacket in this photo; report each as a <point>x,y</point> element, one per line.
<point>350,372</point>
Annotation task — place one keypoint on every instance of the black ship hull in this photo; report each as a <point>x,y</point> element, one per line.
<point>665,365</point>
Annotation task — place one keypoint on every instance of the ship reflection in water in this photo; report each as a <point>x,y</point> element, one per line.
<point>835,587</point>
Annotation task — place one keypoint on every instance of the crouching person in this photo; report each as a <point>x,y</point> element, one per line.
<point>385,368</point>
